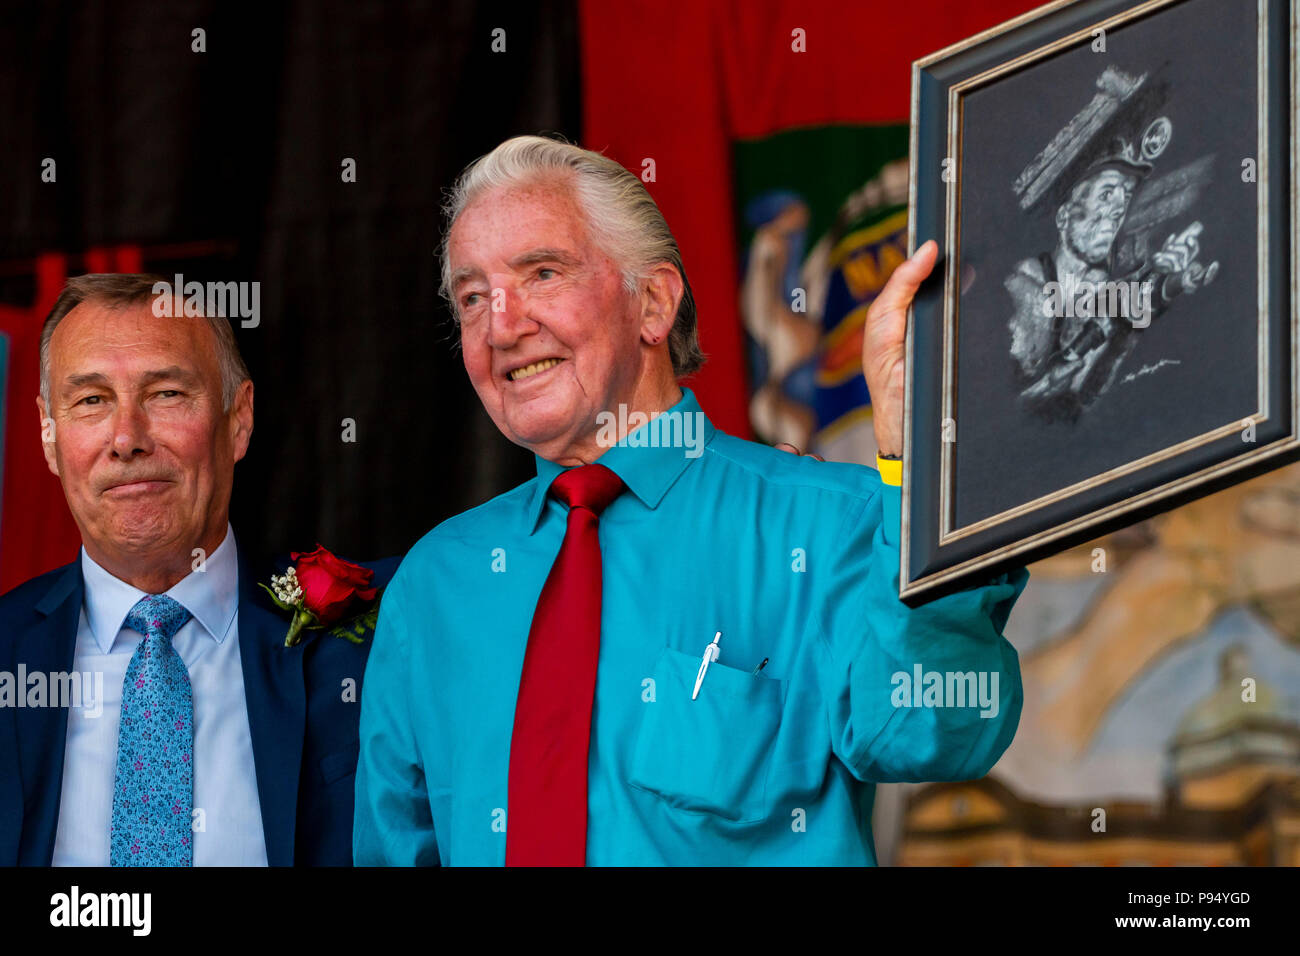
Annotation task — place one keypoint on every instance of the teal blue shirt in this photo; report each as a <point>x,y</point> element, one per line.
<point>792,559</point>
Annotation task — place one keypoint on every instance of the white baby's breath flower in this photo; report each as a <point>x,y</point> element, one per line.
<point>286,586</point>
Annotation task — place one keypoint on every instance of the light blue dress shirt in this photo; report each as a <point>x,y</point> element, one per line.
<point>792,559</point>
<point>229,828</point>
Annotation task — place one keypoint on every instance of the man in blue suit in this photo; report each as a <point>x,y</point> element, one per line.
<point>155,715</point>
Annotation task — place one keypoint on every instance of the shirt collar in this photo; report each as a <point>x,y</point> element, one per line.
<point>672,441</point>
<point>210,595</point>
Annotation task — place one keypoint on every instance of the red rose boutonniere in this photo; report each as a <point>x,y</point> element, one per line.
<point>326,593</point>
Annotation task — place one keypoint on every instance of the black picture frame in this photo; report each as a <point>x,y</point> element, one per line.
<point>1110,329</point>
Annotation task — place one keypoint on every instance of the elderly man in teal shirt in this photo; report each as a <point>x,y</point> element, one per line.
<point>672,646</point>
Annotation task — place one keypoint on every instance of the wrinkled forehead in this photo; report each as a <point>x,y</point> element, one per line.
<point>500,222</point>
<point>102,337</point>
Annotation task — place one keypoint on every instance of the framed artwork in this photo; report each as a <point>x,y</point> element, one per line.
<point>1111,326</point>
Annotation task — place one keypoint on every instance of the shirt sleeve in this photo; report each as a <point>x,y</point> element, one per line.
<point>882,727</point>
<point>393,824</point>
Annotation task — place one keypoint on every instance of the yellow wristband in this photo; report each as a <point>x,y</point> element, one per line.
<point>891,470</point>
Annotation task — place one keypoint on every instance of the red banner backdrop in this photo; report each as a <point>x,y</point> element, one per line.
<point>676,84</point>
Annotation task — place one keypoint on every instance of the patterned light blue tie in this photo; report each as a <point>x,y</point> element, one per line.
<point>154,788</point>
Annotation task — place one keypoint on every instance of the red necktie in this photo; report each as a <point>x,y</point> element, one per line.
<point>546,823</point>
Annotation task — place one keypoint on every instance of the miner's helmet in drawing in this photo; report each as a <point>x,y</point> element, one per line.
<point>1119,128</point>
<point>1135,157</point>
<point>1121,154</point>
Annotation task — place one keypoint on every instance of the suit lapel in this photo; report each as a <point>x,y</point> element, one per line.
<point>277,715</point>
<point>42,732</point>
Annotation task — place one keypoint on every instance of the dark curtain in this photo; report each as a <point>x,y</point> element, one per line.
<point>227,165</point>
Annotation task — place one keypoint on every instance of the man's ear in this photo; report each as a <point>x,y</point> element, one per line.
<point>663,293</point>
<point>47,437</point>
<point>241,418</point>
<point>1062,217</point>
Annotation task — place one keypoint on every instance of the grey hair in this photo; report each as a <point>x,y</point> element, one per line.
<point>623,219</point>
<point>124,289</point>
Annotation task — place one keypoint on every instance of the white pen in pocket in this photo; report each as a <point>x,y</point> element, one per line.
<point>711,653</point>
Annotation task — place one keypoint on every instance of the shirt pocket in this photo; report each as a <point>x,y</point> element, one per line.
<point>711,754</point>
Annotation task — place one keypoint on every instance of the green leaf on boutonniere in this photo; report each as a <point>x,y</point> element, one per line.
<point>341,630</point>
<point>278,603</point>
<point>371,617</point>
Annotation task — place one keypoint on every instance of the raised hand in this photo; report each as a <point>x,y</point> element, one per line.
<point>884,346</point>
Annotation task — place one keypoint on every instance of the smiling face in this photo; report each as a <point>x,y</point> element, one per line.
<point>141,445</point>
<point>549,336</point>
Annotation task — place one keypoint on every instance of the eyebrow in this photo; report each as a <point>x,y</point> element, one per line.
<point>172,373</point>
<point>464,274</point>
<point>534,256</point>
<point>530,258</point>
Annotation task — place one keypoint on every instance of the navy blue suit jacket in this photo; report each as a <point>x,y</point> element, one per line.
<point>305,741</point>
